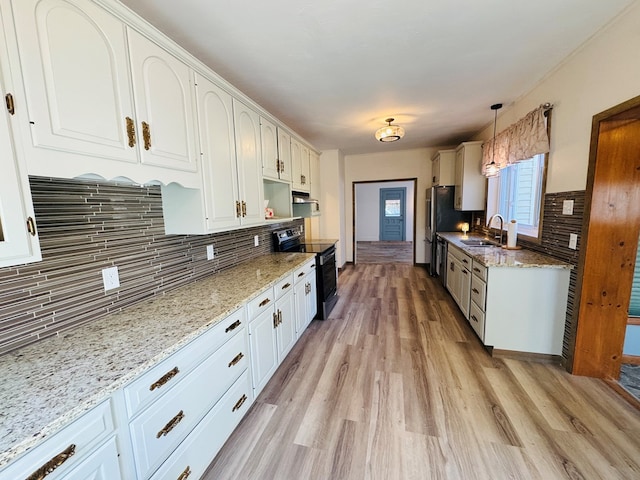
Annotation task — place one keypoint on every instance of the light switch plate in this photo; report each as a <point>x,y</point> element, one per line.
<point>573,241</point>
<point>110,278</point>
<point>567,207</point>
<point>210,253</point>
<point>256,240</point>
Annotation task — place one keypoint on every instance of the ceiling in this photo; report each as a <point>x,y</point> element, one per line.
<point>334,70</point>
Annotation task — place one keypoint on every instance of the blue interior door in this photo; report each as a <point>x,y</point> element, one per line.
<point>392,213</point>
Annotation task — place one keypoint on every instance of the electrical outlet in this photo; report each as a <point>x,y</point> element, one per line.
<point>256,240</point>
<point>210,253</point>
<point>567,207</point>
<point>110,278</point>
<point>573,241</point>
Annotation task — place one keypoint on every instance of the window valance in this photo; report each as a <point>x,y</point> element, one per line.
<point>524,139</point>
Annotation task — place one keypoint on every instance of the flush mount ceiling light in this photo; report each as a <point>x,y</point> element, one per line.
<point>492,169</point>
<point>389,133</point>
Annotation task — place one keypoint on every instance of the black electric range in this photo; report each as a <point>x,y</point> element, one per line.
<point>291,240</point>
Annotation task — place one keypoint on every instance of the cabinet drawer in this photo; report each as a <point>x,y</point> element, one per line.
<point>159,429</point>
<point>261,303</point>
<point>195,454</point>
<point>476,319</point>
<point>283,286</point>
<point>300,273</point>
<point>80,437</point>
<point>478,291</point>
<point>159,379</point>
<point>460,255</point>
<point>479,270</point>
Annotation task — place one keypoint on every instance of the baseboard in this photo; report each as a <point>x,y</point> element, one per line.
<point>526,356</point>
<point>619,389</point>
<point>632,359</point>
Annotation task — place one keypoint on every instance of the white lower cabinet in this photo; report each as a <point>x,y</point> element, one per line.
<point>272,330</point>
<point>83,449</point>
<point>459,278</point>
<point>305,296</point>
<point>194,455</point>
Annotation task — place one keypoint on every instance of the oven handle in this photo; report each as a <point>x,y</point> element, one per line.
<point>325,258</point>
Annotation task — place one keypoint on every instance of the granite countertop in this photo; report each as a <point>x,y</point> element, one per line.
<point>495,256</point>
<point>47,385</point>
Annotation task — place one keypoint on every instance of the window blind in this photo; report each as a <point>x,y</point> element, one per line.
<point>634,306</point>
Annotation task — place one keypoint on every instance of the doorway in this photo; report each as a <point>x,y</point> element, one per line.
<point>609,236</point>
<point>392,214</point>
<point>384,221</point>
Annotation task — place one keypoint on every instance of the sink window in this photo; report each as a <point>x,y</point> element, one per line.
<point>518,192</point>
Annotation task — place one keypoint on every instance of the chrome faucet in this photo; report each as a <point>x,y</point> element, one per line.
<point>501,218</point>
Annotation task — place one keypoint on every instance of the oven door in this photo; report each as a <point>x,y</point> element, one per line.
<point>329,275</point>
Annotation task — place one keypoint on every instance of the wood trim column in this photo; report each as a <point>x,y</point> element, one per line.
<point>610,235</point>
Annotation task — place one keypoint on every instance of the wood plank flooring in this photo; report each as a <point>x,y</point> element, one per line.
<point>384,252</point>
<point>395,385</point>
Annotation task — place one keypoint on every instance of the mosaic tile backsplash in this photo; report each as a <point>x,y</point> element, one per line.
<point>85,226</point>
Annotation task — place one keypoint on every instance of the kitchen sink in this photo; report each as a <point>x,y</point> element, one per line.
<point>478,243</point>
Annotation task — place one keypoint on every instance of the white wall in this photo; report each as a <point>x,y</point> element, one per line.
<point>332,219</point>
<point>393,165</point>
<point>368,210</point>
<point>603,73</point>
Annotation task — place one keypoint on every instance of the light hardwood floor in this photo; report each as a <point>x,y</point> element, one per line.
<point>384,252</point>
<point>396,386</point>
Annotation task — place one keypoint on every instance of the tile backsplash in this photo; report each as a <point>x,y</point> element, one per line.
<point>85,226</point>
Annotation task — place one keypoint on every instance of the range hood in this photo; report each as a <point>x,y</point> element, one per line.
<point>304,205</point>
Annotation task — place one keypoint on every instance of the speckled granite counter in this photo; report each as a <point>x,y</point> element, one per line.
<point>48,385</point>
<point>493,256</point>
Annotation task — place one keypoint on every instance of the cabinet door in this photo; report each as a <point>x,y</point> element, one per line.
<point>247,129</point>
<point>304,168</point>
<point>284,154</point>
<point>74,62</point>
<point>312,300</point>
<point>301,306</point>
<point>286,331</point>
<point>296,165</point>
<point>435,170</point>
<point>452,276</point>
<point>314,175</point>
<point>164,100</point>
<point>457,203</point>
<point>217,144</point>
<point>269,142</point>
<point>464,289</point>
<point>263,349</point>
<point>17,245</point>
<point>100,465</point>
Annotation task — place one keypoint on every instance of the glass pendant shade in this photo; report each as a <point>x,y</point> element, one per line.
<point>389,133</point>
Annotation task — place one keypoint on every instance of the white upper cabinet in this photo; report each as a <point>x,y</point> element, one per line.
<point>247,128</point>
<point>83,116</point>
<point>163,89</point>
<point>18,237</point>
<point>270,154</point>
<point>284,154</point>
<point>215,121</point>
<point>300,166</point>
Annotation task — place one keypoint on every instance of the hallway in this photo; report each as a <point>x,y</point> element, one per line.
<point>395,385</point>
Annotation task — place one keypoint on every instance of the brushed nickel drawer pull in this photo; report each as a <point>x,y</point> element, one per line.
<point>131,131</point>
<point>171,425</point>
<point>275,320</point>
<point>301,274</point>
<point>264,302</point>
<point>474,318</point>
<point>146,135</point>
<point>465,261</point>
<point>286,285</point>
<point>244,208</point>
<point>279,317</point>
<point>236,359</point>
<point>184,475</point>
<point>475,269</point>
<point>475,290</point>
<point>233,326</point>
<point>164,379</point>
<point>238,209</point>
<point>52,464</point>
<point>11,108</point>
<point>239,403</point>
<point>464,270</point>
<point>31,226</point>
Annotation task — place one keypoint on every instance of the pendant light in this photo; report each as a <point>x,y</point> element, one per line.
<point>389,133</point>
<point>492,170</point>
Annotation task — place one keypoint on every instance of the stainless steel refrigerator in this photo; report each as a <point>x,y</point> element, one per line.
<point>441,217</point>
